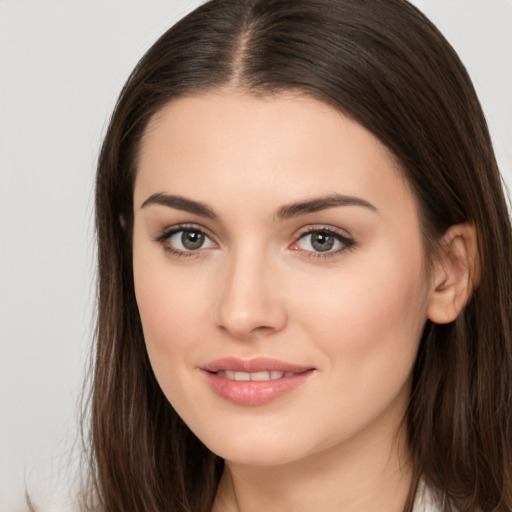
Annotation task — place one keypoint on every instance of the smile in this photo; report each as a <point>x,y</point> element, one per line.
<point>256,381</point>
<point>256,376</point>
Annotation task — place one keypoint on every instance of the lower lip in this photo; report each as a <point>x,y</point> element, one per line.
<point>248,392</point>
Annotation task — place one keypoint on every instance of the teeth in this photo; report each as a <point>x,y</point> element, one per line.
<point>260,376</point>
<point>256,376</point>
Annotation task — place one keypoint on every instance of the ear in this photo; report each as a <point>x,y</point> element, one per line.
<point>456,274</point>
<point>122,221</point>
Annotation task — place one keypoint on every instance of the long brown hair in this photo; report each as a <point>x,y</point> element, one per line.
<point>386,66</point>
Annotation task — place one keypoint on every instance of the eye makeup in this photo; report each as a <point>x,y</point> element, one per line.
<point>323,242</point>
<point>186,240</point>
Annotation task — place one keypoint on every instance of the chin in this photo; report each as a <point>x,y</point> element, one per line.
<point>258,449</point>
<point>258,456</point>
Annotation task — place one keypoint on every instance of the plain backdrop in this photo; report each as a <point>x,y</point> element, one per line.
<point>62,65</point>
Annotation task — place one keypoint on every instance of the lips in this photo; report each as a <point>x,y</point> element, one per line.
<point>255,381</point>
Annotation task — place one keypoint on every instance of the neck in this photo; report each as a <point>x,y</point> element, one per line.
<point>364,474</point>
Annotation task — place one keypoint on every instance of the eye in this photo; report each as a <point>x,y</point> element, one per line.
<point>181,240</point>
<point>323,241</point>
<point>187,240</point>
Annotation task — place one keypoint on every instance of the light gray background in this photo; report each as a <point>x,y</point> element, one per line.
<point>62,65</point>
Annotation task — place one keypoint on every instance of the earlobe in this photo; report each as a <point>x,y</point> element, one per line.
<point>456,274</point>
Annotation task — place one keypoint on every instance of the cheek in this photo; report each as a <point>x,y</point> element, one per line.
<point>171,320</point>
<point>368,317</point>
<point>170,306</point>
<point>162,311</point>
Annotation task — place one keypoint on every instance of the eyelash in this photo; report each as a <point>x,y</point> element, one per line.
<point>347,243</point>
<point>167,233</point>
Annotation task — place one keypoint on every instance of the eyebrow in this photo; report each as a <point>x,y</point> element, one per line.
<point>284,212</point>
<point>321,203</point>
<point>180,203</point>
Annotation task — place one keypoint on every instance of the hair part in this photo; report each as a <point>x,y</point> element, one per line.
<point>403,82</point>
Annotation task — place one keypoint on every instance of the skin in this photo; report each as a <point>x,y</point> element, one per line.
<point>257,287</point>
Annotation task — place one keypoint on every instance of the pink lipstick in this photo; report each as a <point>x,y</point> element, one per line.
<point>254,381</point>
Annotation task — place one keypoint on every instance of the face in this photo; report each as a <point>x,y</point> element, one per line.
<point>279,275</point>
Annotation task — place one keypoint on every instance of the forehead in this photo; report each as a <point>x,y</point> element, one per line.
<point>229,145</point>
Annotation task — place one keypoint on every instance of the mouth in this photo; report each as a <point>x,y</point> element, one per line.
<point>256,381</point>
<point>255,377</point>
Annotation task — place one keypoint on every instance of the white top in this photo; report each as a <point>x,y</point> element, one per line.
<point>425,500</point>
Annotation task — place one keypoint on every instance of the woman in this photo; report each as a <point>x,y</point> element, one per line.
<point>304,270</point>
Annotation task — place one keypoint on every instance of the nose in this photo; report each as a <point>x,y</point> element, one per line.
<point>250,301</point>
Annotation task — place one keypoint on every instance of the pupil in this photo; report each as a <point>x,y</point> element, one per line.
<point>192,239</point>
<point>322,242</point>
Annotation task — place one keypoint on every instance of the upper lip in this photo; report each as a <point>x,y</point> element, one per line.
<point>257,364</point>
